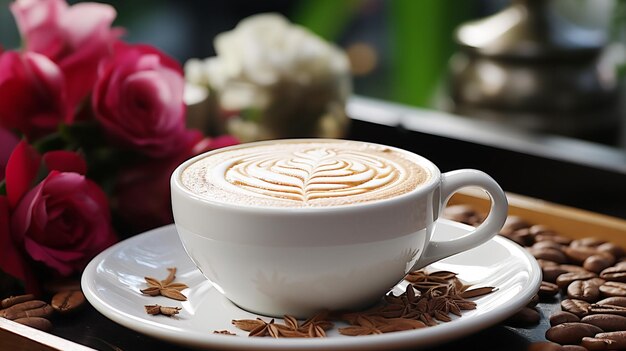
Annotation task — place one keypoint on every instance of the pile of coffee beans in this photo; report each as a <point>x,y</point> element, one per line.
<point>588,275</point>
<point>27,310</point>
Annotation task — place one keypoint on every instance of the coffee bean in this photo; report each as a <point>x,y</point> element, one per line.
<point>546,263</point>
<point>463,213</point>
<point>573,348</point>
<point>520,240</point>
<point>613,289</point>
<point>32,308</point>
<point>615,250</point>
<point>616,273</point>
<point>593,344</point>
<point>556,238</point>
<point>606,322</point>
<point>596,281</point>
<point>587,242</point>
<point>512,224</point>
<point>549,254</point>
<point>68,301</point>
<point>551,273</point>
<point>607,309</point>
<point>544,346</point>
<point>523,237</point>
<point>578,255</point>
<point>564,280</point>
<point>547,289</point>
<point>35,322</point>
<point>541,229</point>
<point>527,316</point>
<point>547,244</point>
<point>577,307</point>
<point>597,263</point>
<point>573,268</point>
<point>583,290</point>
<point>571,333</point>
<point>533,301</point>
<point>561,317</point>
<point>14,300</point>
<point>618,338</point>
<point>615,300</point>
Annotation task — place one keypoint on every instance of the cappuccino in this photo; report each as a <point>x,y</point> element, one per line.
<point>304,173</point>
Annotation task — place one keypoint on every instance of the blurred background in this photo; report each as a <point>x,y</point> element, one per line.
<point>553,66</point>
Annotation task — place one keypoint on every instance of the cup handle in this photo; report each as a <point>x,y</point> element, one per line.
<point>451,182</point>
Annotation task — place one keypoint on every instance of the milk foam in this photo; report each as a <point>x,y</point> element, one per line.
<point>304,174</point>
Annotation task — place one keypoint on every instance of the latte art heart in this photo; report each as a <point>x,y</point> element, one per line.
<point>314,174</point>
<point>304,174</point>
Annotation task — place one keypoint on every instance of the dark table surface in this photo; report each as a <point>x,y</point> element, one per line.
<point>553,169</point>
<point>92,329</point>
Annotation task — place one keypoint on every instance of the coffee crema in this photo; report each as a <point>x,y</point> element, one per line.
<point>313,173</point>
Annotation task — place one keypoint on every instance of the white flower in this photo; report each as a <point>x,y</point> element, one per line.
<point>265,60</point>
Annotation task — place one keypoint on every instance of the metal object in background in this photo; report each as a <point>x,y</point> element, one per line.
<point>528,67</point>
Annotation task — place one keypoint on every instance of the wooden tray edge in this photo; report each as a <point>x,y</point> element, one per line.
<point>15,336</point>
<point>568,221</point>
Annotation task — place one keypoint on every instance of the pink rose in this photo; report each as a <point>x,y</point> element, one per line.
<point>138,99</point>
<point>75,37</point>
<point>63,221</point>
<point>32,94</point>
<point>143,193</point>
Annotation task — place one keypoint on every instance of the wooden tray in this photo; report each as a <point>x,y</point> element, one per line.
<point>567,221</point>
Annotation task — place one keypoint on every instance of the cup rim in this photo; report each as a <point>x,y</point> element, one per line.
<point>176,182</point>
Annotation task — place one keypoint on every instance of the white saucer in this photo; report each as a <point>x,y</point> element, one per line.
<point>112,280</point>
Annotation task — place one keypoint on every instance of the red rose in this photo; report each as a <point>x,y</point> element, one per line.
<point>64,220</point>
<point>32,94</point>
<point>143,192</point>
<point>138,99</point>
<point>7,142</point>
<point>76,37</point>
<point>12,261</point>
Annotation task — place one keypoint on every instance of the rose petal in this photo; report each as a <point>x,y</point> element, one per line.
<point>65,161</point>
<point>21,171</point>
<point>8,141</point>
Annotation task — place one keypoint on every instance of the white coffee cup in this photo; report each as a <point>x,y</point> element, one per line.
<point>299,260</point>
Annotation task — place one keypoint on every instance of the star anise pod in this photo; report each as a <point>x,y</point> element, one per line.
<point>316,326</point>
<point>400,324</point>
<point>258,328</point>
<point>248,324</point>
<point>165,287</point>
<point>364,326</point>
<point>475,292</point>
<point>276,330</point>
<point>401,306</point>
<point>158,309</point>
